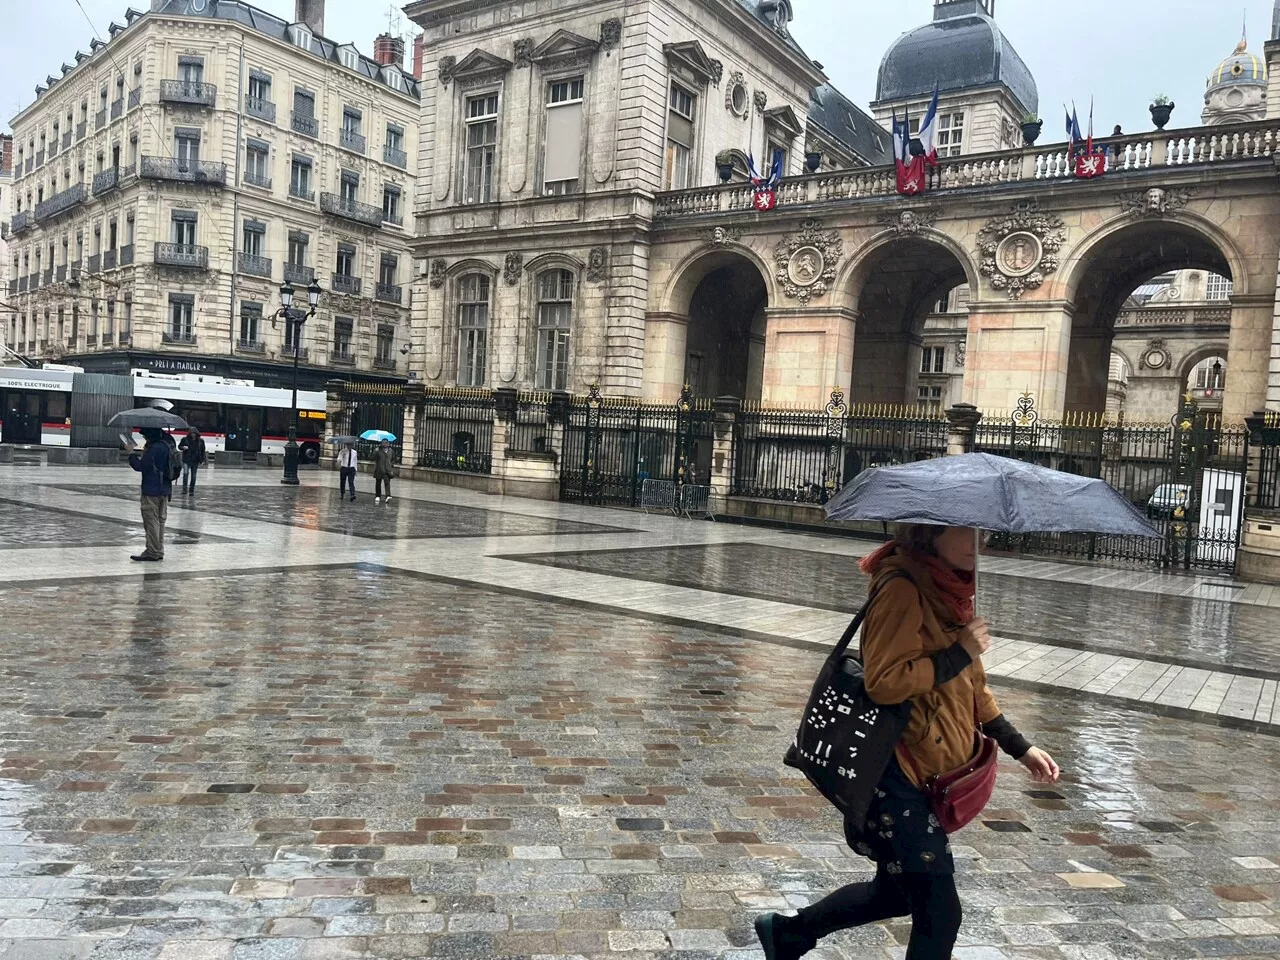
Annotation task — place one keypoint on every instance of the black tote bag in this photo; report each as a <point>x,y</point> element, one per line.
<point>846,739</point>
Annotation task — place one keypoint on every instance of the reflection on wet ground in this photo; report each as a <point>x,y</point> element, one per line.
<point>26,526</point>
<point>320,508</point>
<point>1208,631</point>
<point>350,763</point>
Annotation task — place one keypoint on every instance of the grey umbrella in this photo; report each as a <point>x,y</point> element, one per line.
<point>989,493</point>
<point>148,417</point>
<point>344,439</point>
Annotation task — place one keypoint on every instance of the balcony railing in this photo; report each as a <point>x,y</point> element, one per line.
<point>354,210</point>
<point>178,336</point>
<point>117,109</point>
<point>21,221</point>
<point>91,340</point>
<point>262,109</point>
<point>66,140</point>
<point>384,363</point>
<point>390,293</point>
<point>305,124</point>
<point>350,140</point>
<point>61,202</point>
<point>345,283</point>
<point>255,266</point>
<point>286,352</point>
<point>342,355</point>
<point>397,158</point>
<point>182,255</point>
<point>107,339</point>
<point>188,91</point>
<point>106,180</point>
<point>81,129</point>
<point>124,339</point>
<point>297,273</point>
<point>392,217</point>
<point>257,180</point>
<point>126,255</point>
<point>100,119</point>
<point>94,265</point>
<point>299,192</point>
<point>251,346</point>
<point>135,97</point>
<point>184,171</point>
<point>109,260</point>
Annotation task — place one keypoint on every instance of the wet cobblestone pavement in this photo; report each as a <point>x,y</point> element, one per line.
<point>24,527</point>
<point>366,761</point>
<point>1208,631</point>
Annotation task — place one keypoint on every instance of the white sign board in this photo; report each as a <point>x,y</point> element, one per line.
<point>1221,493</point>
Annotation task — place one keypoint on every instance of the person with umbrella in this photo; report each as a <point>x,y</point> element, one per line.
<point>922,644</point>
<point>154,463</point>
<point>384,465</point>
<point>348,464</point>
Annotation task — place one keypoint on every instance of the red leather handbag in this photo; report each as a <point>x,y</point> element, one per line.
<point>959,796</point>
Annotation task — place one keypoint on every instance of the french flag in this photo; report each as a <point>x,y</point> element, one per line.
<point>929,131</point>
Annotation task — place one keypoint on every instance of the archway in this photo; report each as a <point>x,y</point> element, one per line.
<point>897,286</point>
<point>1104,281</point>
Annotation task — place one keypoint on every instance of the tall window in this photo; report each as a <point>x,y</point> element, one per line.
<point>391,203</point>
<point>349,189</point>
<point>1218,287</point>
<point>342,338</point>
<point>126,325</point>
<point>933,359</point>
<point>384,344</point>
<point>300,178</point>
<point>351,122</point>
<point>253,232</point>
<point>346,263</point>
<point>191,70</point>
<point>555,317</point>
<point>184,228</point>
<point>292,336</point>
<point>186,149</point>
<point>259,88</point>
<point>473,329</point>
<point>395,145</point>
<point>930,397</point>
<point>256,165</point>
<point>110,329</point>
<point>181,313</point>
<point>250,318</point>
<point>1211,374</point>
<point>482,144</point>
<point>563,159</point>
<point>387,269</point>
<point>298,249</point>
<point>680,118</point>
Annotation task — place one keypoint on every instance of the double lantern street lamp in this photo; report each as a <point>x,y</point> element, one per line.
<point>294,320</point>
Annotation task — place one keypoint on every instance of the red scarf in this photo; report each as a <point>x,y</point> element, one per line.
<point>956,588</point>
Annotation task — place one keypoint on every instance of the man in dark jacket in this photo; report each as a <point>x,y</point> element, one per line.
<point>157,488</point>
<point>193,458</point>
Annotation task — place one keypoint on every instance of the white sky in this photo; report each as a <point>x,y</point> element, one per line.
<point>1122,52</point>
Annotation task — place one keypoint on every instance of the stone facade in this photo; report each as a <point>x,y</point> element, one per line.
<point>161,171</point>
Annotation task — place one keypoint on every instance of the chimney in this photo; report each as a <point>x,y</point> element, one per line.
<point>389,50</point>
<point>310,12</point>
<point>419,44</point>
<point>6,153</point>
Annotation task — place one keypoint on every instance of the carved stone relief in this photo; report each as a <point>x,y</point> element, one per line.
<point>512,268</point>
<point>909,222</point>
<point>438,268</point>
<point>610,33</point>
<point>522,52</point>
<point>1019,249</point>
<point>598,265</point>
<point>807,261</point>
<point>722,236</point>
<point>1156,356</point>
<point>761,100</point>
<point>717,71</point>
<point>1154,202</point>
<point>447,65</point>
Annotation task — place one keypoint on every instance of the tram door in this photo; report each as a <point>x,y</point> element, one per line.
<point>22,423</point>
<point>244,429</point>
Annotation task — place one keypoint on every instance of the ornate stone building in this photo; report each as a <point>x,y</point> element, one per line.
<point>1237,89</point>
<point>179,172</point>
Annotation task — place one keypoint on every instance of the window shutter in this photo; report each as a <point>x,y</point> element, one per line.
<point>680,129</point>
<point>564,143</point>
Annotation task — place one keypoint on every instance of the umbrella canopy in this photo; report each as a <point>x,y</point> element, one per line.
<point>148,417</point>
<point>378,435</point>
<point>344,439</point>
<point>989,493</point>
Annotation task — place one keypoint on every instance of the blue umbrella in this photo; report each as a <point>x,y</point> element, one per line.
<point>378,435</point>
<point>989,493</point>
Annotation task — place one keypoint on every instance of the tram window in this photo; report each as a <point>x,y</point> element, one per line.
<point>202,416</point>
<point>56,408</point>
<point>277,422</point>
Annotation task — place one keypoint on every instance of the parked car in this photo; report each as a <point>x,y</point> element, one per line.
<point>1167,498</point>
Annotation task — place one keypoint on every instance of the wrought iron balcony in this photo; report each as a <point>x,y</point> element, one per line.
<point>342,355</point>
<point>298,192</point>
<point>117,109</point>
<point>351,140</point>
<point>184,171</point>
<point>66,140</point>
<point>186,255</point>
<point>188,91</point>
<point>126,255</point>
<point>305,124</point>
<point>108,339</point>
<point>61,202</point>
<point>91,340</point>
<point>354,210</point>
<point>384,363</point>
<point>108,179</point>
<point>345,283</point>
<point>21,221</point>
<point>257,180</point>
<point>100,119</point>
<point>392,218</point>
<point>255,266</point>
<point>286,352</point>
<point>297,273</point>
<point>251,346</point>
<point>109,260</point>
<point>135,97</point>
<point>81,129</point>
<point>95,264</point>
<point>390,293</point>
<point>397,158</point>
<point>262,109</point>
<point>178,336</point>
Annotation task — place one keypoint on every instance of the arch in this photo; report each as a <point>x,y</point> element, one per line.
<point>695,268</point>
<point>547,261</point>
<point>471,265</point>
<point>854,271</point>
<point>1201,353</point>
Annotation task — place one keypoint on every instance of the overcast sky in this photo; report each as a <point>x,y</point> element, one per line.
<point>1121,52</point>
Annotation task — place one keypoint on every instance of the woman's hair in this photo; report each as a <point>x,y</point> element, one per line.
<point>917,537</point>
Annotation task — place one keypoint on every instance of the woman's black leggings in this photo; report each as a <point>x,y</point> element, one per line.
<point>929,898</point>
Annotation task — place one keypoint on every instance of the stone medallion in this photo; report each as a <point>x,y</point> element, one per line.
<point>807,261</point>
<point>806,266</point>
<point>1019,253</point>
<point>1156,356</point>
<point>1020,248</point>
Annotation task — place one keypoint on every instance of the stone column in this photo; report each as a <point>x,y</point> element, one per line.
<point>808,353</point>
<point>962,423</point>
<point>665,345</point>
<point>1017,347</point>
<point>415,395</point>
<point>1251,369</point>
<point>505,401</point>
<point>335,417</point>
<point>722,452</point>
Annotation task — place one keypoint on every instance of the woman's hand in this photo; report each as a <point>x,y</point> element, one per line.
<point>1040,765</point>
<point>976,638</point>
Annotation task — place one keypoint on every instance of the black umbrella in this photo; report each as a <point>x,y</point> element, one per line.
<point>344,439</point>
<point>144,417</point>
<point>989,493</point>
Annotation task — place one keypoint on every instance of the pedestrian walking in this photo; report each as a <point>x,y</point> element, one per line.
<point>383,470</point>
<point>922,643</point>
<point>194,456</point>
<point>348,463</point>
<point>155,462</point>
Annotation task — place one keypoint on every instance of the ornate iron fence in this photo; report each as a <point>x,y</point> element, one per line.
<point>1265,435</point>
<point>371,406</point>
<point>454,430</point>
<point>530,429</point>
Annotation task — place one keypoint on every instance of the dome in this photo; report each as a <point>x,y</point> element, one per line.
<point>962,49</point>
<point>1242,68</point>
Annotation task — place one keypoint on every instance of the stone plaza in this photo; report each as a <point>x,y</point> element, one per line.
<point>456,725</point>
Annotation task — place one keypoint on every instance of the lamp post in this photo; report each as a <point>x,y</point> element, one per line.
<point>294,320</point>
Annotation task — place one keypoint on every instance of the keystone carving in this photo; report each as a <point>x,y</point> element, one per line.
<point>909,222</point>
<point>1155,202</point>
<point>610,33</point>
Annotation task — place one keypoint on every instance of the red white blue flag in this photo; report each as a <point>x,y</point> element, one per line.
<point>765,193</point>
<point>913,178</point>
<point>929,131</point>
<point>1091,163</point>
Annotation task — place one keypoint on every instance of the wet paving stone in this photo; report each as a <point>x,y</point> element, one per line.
<point>25,526</point>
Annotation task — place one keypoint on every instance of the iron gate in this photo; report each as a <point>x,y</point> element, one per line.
<point>612,446</point>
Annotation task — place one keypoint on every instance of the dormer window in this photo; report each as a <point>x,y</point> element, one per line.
<point>349,57</point>
<point>301,36</point>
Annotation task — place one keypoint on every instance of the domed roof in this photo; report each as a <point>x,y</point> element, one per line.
<point>1242,68</point>
<point>962,49</point>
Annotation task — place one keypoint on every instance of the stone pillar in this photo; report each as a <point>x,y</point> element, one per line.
<point>415,396</point>
<point>722,452</point>
<point>335,416</point>
<point>808,353</point>
<point>505,401</point>
<point>1253,341</point>
<point>1015,348</point>
<point>665,345</point>
<point>962,423</point>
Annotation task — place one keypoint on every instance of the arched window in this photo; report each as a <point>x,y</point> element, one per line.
<point>473,329</point>
<point>555,321</point>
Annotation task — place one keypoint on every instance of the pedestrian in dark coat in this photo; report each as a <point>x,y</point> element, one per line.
<point>384,465</point>
<point>153,463</point>
<point>194,456</point>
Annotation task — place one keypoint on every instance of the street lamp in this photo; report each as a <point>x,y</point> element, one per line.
<point>294,319</point>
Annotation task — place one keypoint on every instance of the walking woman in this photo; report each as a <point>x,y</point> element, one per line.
<point>920,642</point>
<point>384,467</point>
